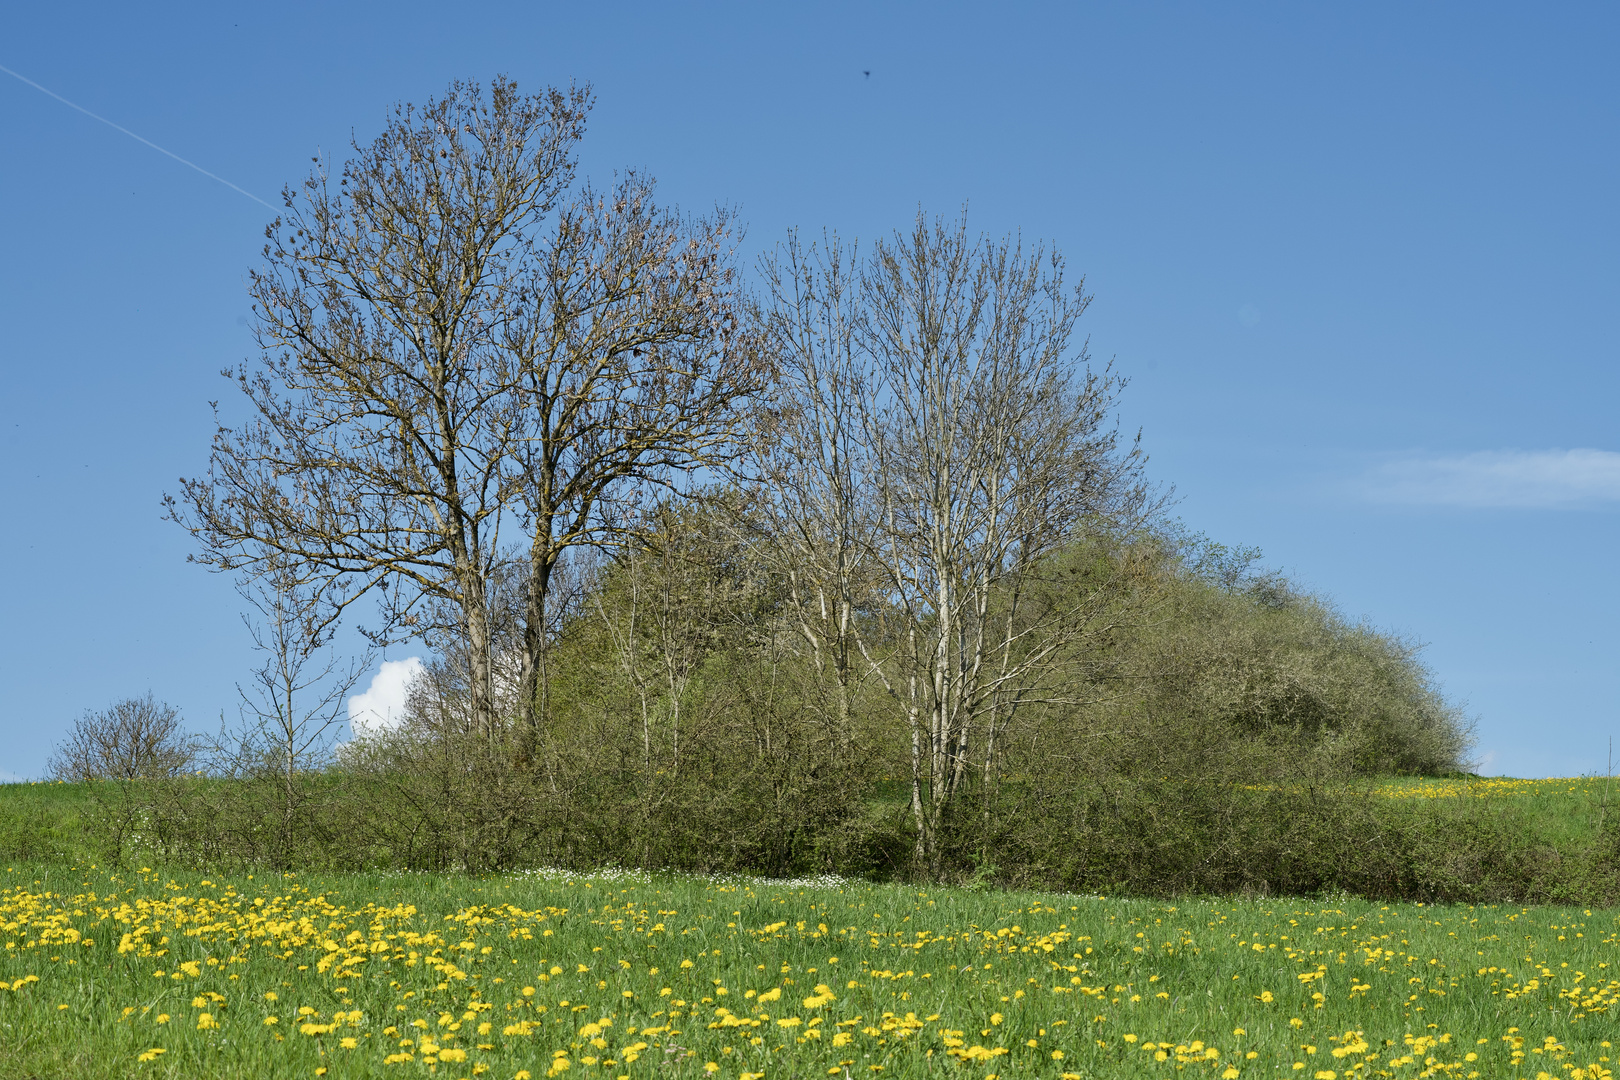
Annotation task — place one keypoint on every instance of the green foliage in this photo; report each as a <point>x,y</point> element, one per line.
<point>1178,837</point>
<point>1265,662</point>
<point>1145,836</point>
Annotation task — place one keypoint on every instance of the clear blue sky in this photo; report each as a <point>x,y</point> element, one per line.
<point>1359,260</point>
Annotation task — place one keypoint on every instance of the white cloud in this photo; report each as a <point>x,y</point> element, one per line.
<point>382,706</point>
<point>1538,479</point>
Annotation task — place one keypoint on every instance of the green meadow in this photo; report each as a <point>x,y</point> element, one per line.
<point>150,973</point>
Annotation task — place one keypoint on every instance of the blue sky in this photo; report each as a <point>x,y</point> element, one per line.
<point>1358,260</point>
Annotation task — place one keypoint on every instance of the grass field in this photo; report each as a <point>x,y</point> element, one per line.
<point>527,976</point>
<point>1561,811</point>
<point>46,822</point>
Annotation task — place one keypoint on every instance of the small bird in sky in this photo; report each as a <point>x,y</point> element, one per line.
<point>868,74</point>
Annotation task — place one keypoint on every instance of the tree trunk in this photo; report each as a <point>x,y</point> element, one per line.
<point>480,676</point>
<point>534,678</point>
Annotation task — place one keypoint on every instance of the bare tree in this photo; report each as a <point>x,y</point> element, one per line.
<point>635,368</point>
<point>437,365</point>
<point>138,738</point>
<point>295,703</point>
<point>994,455</point>
<point>817,461</point>
<point>944,438</point>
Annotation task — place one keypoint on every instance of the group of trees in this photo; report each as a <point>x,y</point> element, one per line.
<point>853,567</point>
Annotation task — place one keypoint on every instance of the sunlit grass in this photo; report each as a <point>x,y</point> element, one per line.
<point>1485,787</point>
<point>188,975</point>
<point>1560,811</point>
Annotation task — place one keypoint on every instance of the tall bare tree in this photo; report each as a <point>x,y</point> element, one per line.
<point>994,444</point>
<point>456,340</point>
<point>817,460</point>
<point>943,439</point>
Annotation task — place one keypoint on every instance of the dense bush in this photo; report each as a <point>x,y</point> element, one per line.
<point>1264,662</point>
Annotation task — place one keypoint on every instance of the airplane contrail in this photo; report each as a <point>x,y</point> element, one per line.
<point>137,138</point>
